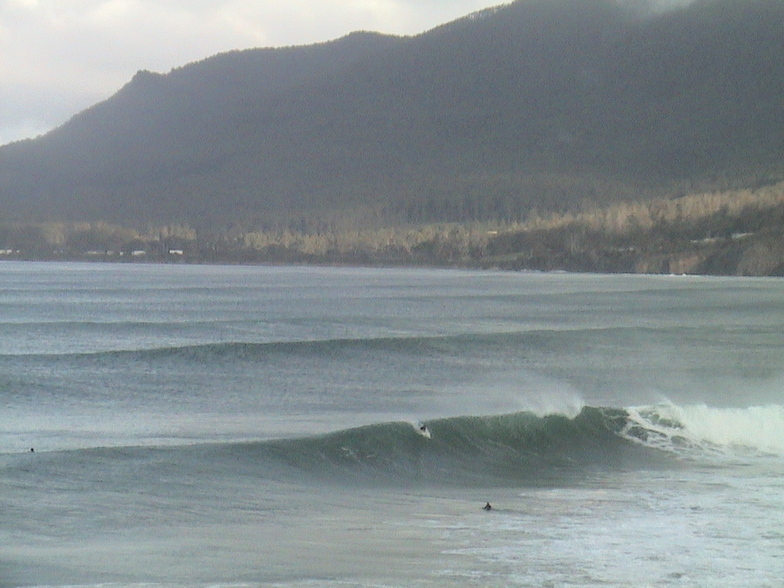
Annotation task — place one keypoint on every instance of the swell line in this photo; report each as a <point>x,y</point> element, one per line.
<point>407,344</point>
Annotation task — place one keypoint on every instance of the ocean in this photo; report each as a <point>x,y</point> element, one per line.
<point>241,426</point>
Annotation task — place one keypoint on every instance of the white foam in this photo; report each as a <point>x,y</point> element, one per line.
<point>759,428</point>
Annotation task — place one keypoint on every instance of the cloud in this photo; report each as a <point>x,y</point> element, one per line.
<point>58,57</point>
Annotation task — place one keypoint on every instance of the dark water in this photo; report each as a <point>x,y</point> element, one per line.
<point>248,426</point>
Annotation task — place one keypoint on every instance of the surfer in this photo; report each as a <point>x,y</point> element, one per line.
<point>421,429</point>
<point>487,507</point>
<point>32,450</point>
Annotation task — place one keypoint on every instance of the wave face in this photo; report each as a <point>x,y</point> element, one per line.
<point>520,449</point>
<point>514,449</point>
<point>526,449</point>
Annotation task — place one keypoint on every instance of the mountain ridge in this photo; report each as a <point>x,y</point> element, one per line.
<point>532,105</point>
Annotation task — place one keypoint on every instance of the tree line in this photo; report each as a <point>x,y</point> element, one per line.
<point>727,232</point>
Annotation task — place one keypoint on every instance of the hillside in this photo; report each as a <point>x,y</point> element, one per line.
<point>539,105</point>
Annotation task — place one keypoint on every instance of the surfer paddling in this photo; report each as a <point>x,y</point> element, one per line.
<point>487,507</point>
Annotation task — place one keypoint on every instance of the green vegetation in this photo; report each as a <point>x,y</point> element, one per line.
<point>537,105</point>
<point>731,233</point>
<point>542,135</point>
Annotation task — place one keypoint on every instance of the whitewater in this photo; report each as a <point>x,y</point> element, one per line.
<point>242,426</point>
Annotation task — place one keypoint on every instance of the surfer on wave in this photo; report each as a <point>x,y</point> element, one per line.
<point>422,429</point>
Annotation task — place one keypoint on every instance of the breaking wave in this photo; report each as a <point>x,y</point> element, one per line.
<point>520,449</point>
<point>701,429</point>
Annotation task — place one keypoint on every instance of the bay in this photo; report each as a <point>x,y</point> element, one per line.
<point>253,426</point>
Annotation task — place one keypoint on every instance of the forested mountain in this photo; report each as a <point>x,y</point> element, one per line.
<point>540,104</point>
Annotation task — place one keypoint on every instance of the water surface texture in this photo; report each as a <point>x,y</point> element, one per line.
<point>260,426</point>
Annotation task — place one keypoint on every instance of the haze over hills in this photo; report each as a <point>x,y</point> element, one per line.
<point>540,104</point>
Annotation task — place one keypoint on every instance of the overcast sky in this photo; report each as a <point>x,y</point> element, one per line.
<point>57,57</point>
